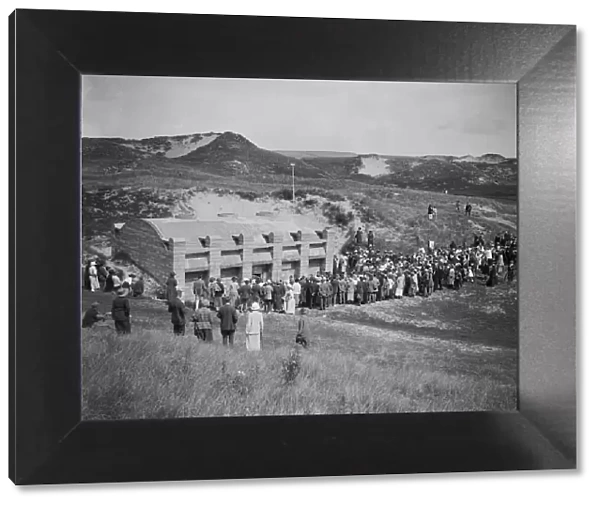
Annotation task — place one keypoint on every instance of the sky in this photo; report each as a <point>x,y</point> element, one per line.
<point>391,118</point>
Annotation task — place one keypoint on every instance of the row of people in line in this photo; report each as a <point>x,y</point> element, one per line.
<point>203,319</point>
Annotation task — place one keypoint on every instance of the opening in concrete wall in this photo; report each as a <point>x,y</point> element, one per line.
<point>191,276</point>
<point>316,265</point>
<point>228,273</point>
<point>262,271</point>
<point>290,269</point>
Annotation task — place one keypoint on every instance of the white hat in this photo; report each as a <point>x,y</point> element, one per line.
<point>255,306</point>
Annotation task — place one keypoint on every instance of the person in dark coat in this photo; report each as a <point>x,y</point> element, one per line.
<point>86,276</point>
<point>277,296</point>
<point>200,291</point>
<point>245,294</point>
<point>108,285</point>
<point>438,278</point>
<point>366,293</point>
<point>359,236</point>
<point>102,275</point>
<point>255,289</point>
<point>229,318</point>
<point>314,293</point>
<point>177,310</point>
<point>335,290</point>
<point>171,288</point>
<point>304,292</point>
<point>92,316</point>
<point>493,277</point>
<point>370,239</point>
<point>120,313</point>
<point>510,273</point>
<point>358,296</point>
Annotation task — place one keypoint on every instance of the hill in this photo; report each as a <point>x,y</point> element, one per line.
<point>318,154</point>
<point>199,156</point>
<point>231,153</point>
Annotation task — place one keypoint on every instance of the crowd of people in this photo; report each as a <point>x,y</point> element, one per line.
<point>99,277</point>
<point>360,275</point>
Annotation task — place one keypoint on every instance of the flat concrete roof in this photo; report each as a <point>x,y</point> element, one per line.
<point>252,230</point>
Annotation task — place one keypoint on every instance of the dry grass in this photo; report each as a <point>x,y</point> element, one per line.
<point>381,361</point>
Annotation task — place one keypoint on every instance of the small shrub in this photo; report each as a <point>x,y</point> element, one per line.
<point>336,215</point>
<point>251,196</point>
<point>283,194</point>
<point>290,366</point>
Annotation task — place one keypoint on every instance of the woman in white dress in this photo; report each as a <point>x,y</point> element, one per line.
<point>254,328</point>
<point>290,301</point>
<point>400,285</point>
<point>351,289</point>
<point>95,285</point>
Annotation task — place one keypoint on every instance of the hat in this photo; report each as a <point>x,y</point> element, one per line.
<point>255,307</point>
<point>92,263</point>
<point>95,303</point>
<point>121,292</point>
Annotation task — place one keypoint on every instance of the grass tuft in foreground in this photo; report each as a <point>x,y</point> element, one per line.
<point>153,375</point>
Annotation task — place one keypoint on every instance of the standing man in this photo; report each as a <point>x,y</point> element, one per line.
<point>203,322</point>
<point>359,236</point>
<point>458,206</point>
<point>177,310</point>
<point>255,289</point>
<point>468,209</point>
<point>245,294</point>
<point>120,313</point>
<point>343,289</point>
<point>219,291</point>
<point>228,316</point>
<point>335,290</point>
<point>268,296</point>
<point>234,294</point>
<point>370,239</point>
<point>199,289</point>
<point>322,295</point>
<point>366,293</point>
<point>316,291</point>
<point>171,288</point>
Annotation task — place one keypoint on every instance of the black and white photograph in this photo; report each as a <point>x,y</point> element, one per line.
<point>291,247</point>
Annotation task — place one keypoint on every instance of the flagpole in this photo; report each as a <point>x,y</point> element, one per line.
<point>293,186</point>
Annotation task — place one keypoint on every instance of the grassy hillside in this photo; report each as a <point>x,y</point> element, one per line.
<point>198,157</point>
<point>455,351</point>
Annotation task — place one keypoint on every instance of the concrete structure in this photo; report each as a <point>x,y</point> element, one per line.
<point>224,247</point>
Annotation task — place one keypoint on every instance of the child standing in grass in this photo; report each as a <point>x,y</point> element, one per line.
<point>303,331</point>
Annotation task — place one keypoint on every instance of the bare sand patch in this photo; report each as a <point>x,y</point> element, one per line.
<point>374,166</point>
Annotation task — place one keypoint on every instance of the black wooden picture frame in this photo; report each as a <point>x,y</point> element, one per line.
<point>50,50</point>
